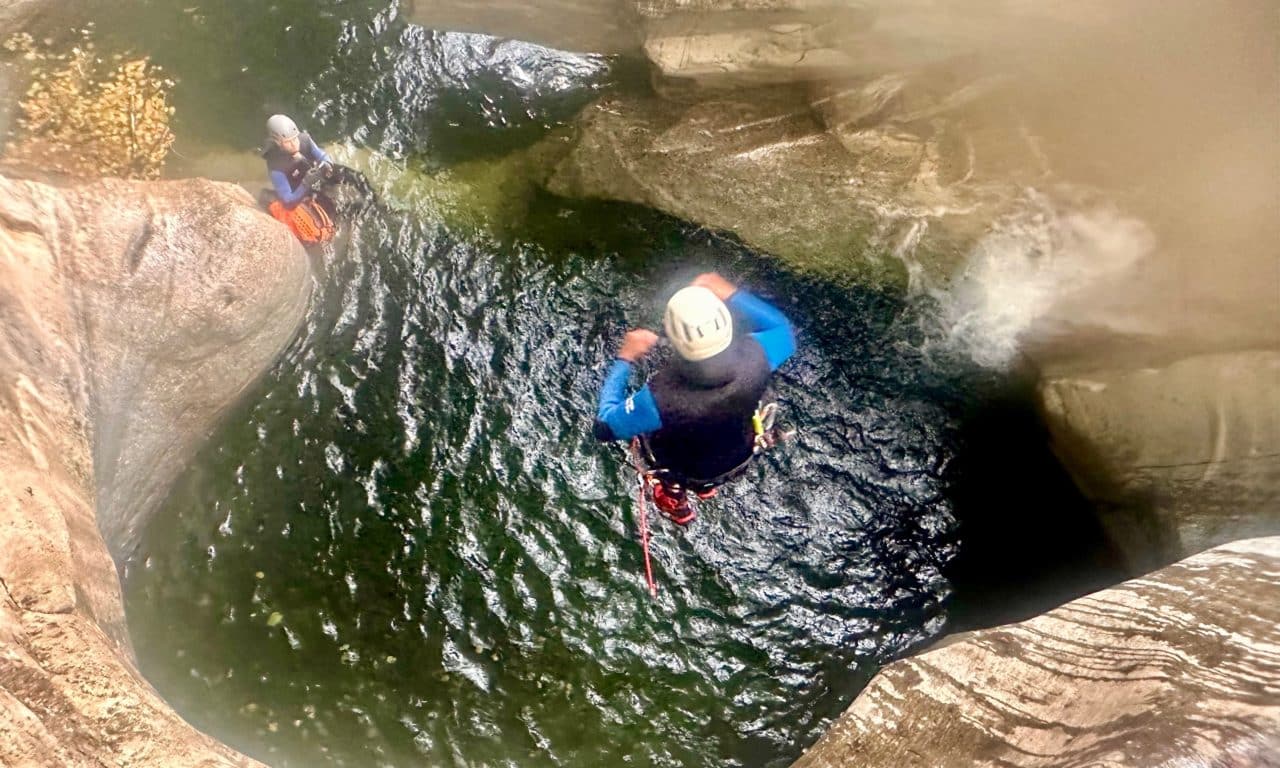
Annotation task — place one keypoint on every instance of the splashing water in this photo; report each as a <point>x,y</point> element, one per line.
<point>1021,282</point>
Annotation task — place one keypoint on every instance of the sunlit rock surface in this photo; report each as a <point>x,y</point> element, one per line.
<point>763,169</point>
<point>719,44</point>
<point>131,315</point>
<point>1181,667</point>
<point>1179,457</point>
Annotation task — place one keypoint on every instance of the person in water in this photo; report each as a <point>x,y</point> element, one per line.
<point>697,416</point>
<point>290,154</point>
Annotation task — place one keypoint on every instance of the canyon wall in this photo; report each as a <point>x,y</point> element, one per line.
<point>132,315</point>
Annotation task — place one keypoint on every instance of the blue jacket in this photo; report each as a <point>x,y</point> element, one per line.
<point>639,413</point>
<point>286,171</point>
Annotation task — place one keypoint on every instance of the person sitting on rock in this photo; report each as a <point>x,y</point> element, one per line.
<point>290,154</point>
<point>298,167</point>
<point>698,417</point>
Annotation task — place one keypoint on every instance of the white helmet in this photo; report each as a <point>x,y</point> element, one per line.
<point>698,323</point>
<point>281,128</point>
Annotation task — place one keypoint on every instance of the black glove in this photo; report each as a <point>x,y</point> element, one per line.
<point>314,177</point>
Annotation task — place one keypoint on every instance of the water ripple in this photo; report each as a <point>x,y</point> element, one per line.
<point>408,549</point>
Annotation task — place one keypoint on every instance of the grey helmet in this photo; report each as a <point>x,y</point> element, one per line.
<point>281,128</point>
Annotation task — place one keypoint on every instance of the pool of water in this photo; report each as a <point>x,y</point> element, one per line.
<point>405,548</point>
<point>408,547</point>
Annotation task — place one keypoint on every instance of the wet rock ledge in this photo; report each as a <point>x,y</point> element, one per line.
<point>131,316</point>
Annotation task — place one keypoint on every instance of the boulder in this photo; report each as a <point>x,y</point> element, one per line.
<point>1178,458</point>
<point>1180,667</point>
<point>765,166</point>
<point>185,293</point>
<point>131,315</point>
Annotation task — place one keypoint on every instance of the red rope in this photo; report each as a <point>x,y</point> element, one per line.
<point>644,518</point>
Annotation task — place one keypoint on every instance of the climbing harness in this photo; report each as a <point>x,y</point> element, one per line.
<point>671,495</point>
<point>762,424</point>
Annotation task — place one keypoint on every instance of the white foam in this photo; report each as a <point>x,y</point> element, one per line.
<point>1032,271</point>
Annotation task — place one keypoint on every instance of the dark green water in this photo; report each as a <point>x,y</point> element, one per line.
<point>454,561</point>
<point>404,548</point>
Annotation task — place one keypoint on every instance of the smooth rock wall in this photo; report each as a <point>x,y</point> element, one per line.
<point>186,292</point>
<point>131,315</point>
<point>1179,668</point>
<point>1178,458</point>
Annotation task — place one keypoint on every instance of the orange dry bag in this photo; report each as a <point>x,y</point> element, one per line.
<point>310,220</point>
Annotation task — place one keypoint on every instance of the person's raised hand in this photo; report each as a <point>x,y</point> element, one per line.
<point>712,281</point>
<point>636,344</point>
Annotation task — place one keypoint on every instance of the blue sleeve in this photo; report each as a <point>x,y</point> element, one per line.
<point>313,151</point>
<point>769,326</point>
<point>625,416</point>
<point>290,197</point>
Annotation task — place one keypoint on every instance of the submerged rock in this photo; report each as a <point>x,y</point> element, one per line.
<point>1180,667</point>
<point>489,195</point>
<point>1178,458</point>
<point>131,316</point>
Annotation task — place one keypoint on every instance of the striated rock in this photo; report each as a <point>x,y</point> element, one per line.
<point>764,169</point>
<point>1181,667</point>
<point>131,315</point>
<point>1178,458</point>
